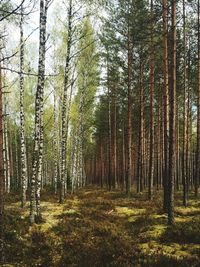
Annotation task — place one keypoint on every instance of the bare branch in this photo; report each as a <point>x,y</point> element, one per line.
<point>27,73</point>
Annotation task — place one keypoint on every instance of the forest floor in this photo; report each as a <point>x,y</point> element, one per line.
<point>99,228</point>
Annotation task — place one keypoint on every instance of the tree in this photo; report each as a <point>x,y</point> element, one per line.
<point>2,178</point>
<point>197,174</point>
<point>129,124</point>
<point>152,70</point>
<point>166,101</point>
<point>83,105</point>
<point>35,213</point>
<point>172,119</point>
<point>22,123</point>
<point>64,127</point>
<point>140,167</point>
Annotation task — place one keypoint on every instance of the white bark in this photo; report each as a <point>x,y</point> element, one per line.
<point>35,212</point>
<point>22,118</point>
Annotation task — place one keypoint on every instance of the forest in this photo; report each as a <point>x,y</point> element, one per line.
<point>100,133</point>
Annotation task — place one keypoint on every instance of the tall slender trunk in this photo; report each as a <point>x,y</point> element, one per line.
<point>129,126</point>
<point>80,139</point>
<point>2,178</point>
<point>35,213</point>
<point>184,177</point>
<point>114,138</point>
<point>40,174</point>
<point>177,150</point>
<point>187,159</point>
<point>13,181</point>
<point>123,158</point>
<point>55,147</point>
<point>166,104</point>
<point>16,160</point>
<point>140,170</point>
<point>4,152</point>
<point>6,149</point>
<point>197,178</point>
<point>64,132</point>
<point>101,164</point>
<point>22,118</point>
<point>152,81</point>
<point>109,135</point>
<point>162,142</point>
<point>158,174</point>
<point>172,120</point>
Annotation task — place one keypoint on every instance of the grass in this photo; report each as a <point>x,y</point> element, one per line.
<point>99,228</point>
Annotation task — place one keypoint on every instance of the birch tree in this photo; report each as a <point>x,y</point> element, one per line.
<point>2,178</point>
<point>22,116</point>
<point>64,131</point>
<point>35,212</point>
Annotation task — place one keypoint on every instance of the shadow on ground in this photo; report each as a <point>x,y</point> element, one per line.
<point>100,228</point>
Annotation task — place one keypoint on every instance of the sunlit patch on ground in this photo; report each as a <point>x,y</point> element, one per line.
<point>100,228</point>
<point>125,211</point>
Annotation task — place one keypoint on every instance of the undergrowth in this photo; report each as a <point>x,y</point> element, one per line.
<point>100,228</point>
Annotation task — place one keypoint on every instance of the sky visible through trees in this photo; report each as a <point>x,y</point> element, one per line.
<point>100,133</point>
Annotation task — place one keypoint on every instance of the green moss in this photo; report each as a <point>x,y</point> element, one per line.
<point>125,211</point>
<point>187,211</point>
<point>183,232</point>
<point>100,228</point>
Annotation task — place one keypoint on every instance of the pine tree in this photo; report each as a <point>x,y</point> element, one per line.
<point>197,174</point>
<point>152,77</point>
<point>166,102</point>
<point>172,119</point>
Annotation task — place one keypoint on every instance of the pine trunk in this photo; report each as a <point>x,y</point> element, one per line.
<point>197,178</point>
<point>129,126</point>
<point>172,121</point>
<point>166,104</point>
<point>152,74</point>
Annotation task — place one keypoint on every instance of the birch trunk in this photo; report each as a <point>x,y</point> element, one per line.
<point>6,150</point>
<point>35,213</point>
<point>2,178</point>
<point>64,108</point>
<point>22,118</point>
<point>55,148</point>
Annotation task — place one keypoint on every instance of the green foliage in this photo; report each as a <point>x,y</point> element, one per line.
<point>5,8</point>
<point>87,81</point>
